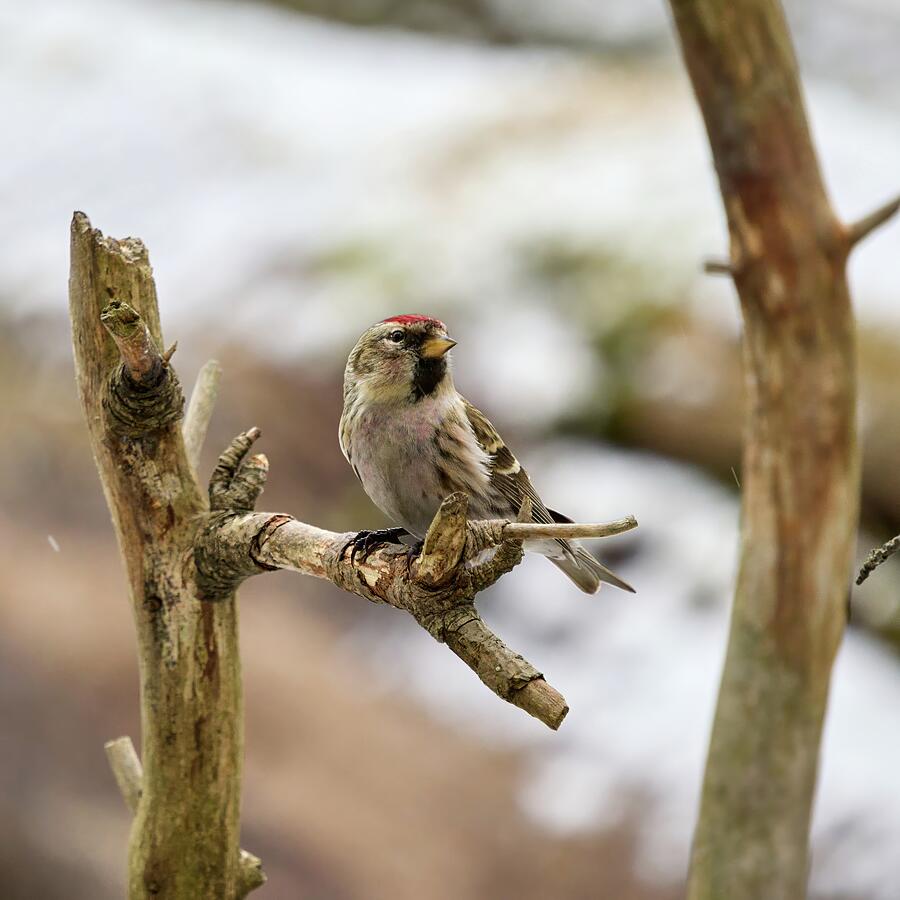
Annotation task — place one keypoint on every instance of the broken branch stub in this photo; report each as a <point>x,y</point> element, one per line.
<point>863,227</point>
<point>200,410</point>
<point>444,543</point>
<point>142,392</point>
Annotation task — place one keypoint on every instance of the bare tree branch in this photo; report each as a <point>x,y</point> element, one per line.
<point>185,834</point>
<point>876,557</point>
<point>459,558</point>
<point>126,767</point>
<point>866,225</point>
<point>200,410</point>
<point>524,531</point>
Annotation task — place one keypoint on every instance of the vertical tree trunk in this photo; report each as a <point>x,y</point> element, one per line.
<point>800,468</point>
<point>184,839</point>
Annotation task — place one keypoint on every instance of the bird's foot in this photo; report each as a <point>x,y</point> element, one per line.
<point>412,552</point>
<point>364,542</point>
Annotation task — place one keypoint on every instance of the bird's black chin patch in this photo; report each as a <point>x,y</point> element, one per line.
<point>429,373</point>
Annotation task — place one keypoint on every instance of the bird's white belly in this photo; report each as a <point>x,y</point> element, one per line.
<point>396,458</point>
<point>393,463</point>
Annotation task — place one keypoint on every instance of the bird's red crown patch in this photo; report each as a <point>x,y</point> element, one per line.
<point>409,319</point>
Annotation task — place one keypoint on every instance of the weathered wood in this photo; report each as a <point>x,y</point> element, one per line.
<point>200,410</point>
<point>184,838</point>
<point>438,589</point>
<point>800,471</point>
<point>185,557</point>
<point>126,768</point>
<point>129,775</point>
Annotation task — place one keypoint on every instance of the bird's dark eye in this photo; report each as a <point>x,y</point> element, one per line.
<point>396,336</point>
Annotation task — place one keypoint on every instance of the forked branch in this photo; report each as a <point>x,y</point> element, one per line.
<point>459,559</point>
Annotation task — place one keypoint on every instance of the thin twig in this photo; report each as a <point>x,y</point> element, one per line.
<point>200,409</point>
<point>866,225</point>
<point>523,531</point>
<point>877,557</point>
<point>718,267</point>
<point>126,767</point>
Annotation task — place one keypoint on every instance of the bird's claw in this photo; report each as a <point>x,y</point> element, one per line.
<point>412,552</point>
<point>364,542</point>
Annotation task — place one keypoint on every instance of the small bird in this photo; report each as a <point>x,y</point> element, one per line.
<point>412,440</point>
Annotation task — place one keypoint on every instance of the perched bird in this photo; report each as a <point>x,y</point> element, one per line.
<point>412,440</point>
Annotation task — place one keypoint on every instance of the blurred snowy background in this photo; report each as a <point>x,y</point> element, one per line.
<point>537,176</point>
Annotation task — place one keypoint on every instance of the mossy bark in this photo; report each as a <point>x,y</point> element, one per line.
<point>800,475</point>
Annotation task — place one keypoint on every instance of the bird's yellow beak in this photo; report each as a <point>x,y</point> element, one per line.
<point>435,347</point>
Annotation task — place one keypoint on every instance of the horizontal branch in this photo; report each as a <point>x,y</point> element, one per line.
<point>459,558</point>
<point>241,545</point>
<point>523,531</point>
<point>127,770</point>
<point>866,225</point>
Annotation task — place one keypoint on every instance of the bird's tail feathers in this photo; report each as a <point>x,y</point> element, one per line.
<point>585,571</point>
